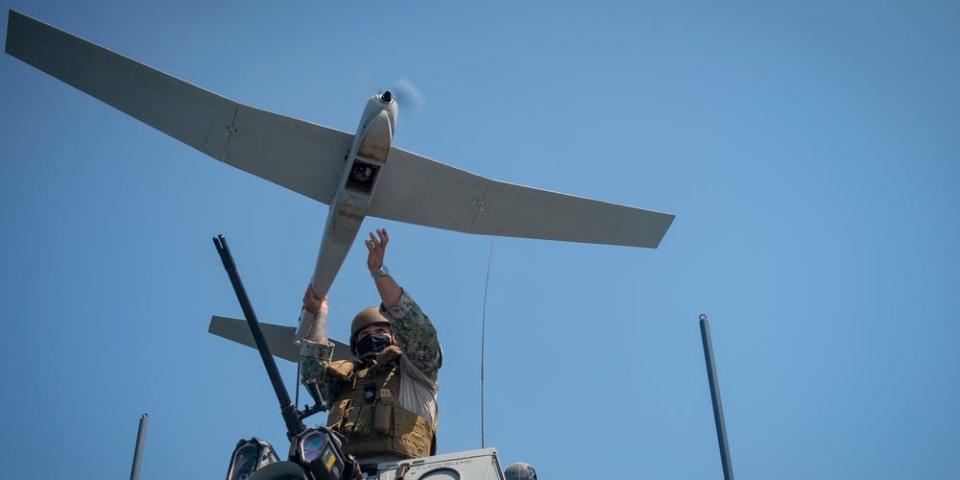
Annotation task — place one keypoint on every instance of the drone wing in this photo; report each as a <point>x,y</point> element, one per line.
<point>418,190</point>
<point>297,155</point>
<point>279,338</point>
<point>309,159</point>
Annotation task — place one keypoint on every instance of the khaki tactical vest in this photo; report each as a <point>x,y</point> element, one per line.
<point>369,414</point>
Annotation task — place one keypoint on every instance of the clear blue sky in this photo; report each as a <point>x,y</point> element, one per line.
<point>808,149</point>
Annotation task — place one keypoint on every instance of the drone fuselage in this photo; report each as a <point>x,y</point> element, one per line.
<point>362,167</point>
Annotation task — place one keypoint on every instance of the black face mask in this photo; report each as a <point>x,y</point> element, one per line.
<point>372,343</point>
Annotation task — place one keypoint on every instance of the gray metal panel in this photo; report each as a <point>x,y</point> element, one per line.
<point>303,157</point>
<point>418,190</point>
<point>469,465</point>
<point>279,338</point>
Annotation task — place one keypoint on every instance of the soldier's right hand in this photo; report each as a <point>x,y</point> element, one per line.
<point>314,304</point>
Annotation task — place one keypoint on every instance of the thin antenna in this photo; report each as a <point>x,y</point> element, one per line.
<point>138,451</point>
<point>483,337</point>
<point>296,381</point>
<point>715,397</point>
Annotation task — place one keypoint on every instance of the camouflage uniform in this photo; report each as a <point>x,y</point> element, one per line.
<point>419,364</point>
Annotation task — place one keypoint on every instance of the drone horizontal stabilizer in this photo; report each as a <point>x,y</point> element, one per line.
<point>279,338</point>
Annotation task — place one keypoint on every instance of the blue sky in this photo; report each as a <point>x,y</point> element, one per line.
<point>809,151</point>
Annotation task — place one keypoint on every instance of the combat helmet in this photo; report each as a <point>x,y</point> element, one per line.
<point>366,317</point>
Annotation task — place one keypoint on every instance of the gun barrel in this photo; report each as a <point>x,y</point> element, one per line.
<point>287,408</point>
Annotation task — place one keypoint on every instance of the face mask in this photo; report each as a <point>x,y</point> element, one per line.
<point>371,344</point>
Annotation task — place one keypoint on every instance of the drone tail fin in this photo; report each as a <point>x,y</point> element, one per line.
<point>281,339</point>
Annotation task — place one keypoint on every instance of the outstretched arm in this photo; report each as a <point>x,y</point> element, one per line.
<point>412,328</point>
<point>377,247</point>
<point>315,350</point>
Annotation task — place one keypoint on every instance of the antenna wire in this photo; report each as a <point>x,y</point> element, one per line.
<point>483,337</point>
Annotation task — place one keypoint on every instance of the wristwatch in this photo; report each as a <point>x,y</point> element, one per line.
<point>380,272</point>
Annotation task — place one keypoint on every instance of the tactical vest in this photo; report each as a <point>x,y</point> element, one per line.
<point>368,411</point>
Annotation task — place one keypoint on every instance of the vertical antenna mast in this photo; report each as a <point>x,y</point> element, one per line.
<point>483,337</point>
<point>715,397</point>
<point>138,451</point>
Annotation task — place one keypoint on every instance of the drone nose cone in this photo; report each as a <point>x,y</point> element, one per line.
<point>386,96</point>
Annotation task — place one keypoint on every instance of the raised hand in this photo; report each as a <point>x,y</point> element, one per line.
<point>376,248</point>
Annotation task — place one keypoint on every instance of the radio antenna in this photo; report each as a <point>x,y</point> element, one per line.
<point>138,450</point>
<point>483,337</point>
<point>725,459</point>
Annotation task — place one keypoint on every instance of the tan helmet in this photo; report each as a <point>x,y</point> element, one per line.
<point>366,317</point>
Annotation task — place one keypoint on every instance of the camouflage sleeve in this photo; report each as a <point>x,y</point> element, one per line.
<point>416,335</point>
<point>314,358</point>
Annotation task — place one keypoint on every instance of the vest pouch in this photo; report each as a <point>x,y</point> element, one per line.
<point>383,413</point>
<point>361,419</point>
<point>338,414</point>
<point>413,434</point>
<point>370,416</point>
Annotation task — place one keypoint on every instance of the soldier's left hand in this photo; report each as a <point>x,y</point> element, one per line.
<point>376,248</point>
<point>314,304</point>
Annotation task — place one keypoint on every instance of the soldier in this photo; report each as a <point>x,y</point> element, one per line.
<point>385,404</point>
